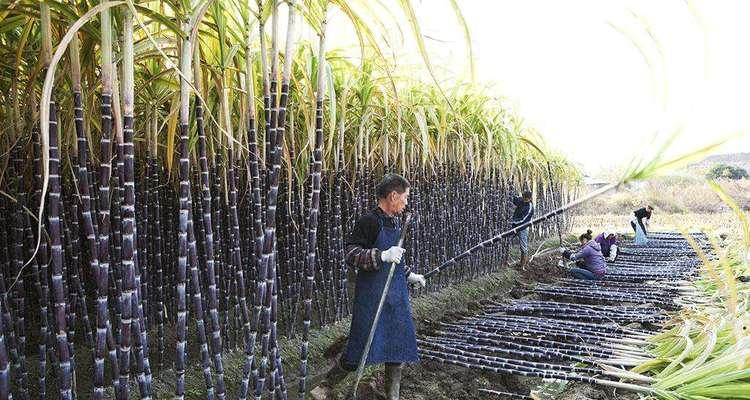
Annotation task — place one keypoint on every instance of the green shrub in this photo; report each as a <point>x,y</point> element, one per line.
<point>725,171</point>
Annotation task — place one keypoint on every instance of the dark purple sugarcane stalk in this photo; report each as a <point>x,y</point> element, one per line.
<point>104,333</point>
<point>198,305</point>
<point>30,244</point>
<point>205,185</point>
<point>522,327</point>
<point>142,286</point>
<point>277,375</point>
<point>338,256</point>
<point>84,186</point>
<point>494,240</point>
<point>484,365</point>
<point>17,227</point>
<point>5,387</point>
<point>315,180</point>
<point>65,371</point>
<point>456,351</point>
<point>75,276</point>
<point>157,254</point>
<point>548,343</point>
<point>132,324</point>
<point>250,327</point>
<point>143,365</point>
<point>42,276</point>
<point>221,266</point>
<point>195,281</point>
<point>182,261</point>
<point>489,346</point>
<point>236,257</point>
<point>184,211</point>
<point>500,345</point>
<point>272,188</point>
<point>70,277</point>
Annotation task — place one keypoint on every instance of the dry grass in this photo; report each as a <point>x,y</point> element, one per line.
<point>670,195</point>
<point>718,222</point>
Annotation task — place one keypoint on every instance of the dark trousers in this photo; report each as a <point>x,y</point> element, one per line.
<point>580,273</point>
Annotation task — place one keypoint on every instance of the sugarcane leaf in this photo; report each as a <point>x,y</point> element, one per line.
<point>172,131</point>
<point>12,23</point>
<point>741,217</point>
<point>161,19</point>
<point>467,38</point>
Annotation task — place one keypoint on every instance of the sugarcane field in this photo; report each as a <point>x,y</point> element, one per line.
<point>374,200</point>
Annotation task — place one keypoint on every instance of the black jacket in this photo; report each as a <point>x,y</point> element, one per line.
<point>523,213</point>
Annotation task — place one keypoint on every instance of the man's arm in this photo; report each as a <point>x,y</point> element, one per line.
<point>360,251</point>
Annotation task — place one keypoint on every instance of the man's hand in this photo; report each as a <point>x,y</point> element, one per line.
<point>392,255</point>
<point>416,279</point>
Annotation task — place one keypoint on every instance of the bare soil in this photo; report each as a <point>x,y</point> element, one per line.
<point>431,380</point>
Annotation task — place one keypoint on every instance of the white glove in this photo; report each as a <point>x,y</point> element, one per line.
<point>612,253</point>
<point>561,250</point>
<point>392,255</point>
<point>416,279</point>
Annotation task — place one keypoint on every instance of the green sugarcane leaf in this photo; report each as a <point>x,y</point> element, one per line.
<point>161,19</point>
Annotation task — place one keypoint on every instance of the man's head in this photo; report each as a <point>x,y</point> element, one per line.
<point>650,208</point>
<point>393,193</point>
<point>526,196</point>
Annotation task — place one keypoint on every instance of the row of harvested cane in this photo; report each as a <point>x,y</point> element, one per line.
<point>576,330</point>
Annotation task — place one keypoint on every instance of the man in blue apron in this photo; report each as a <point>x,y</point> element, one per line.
<point>371,249</point>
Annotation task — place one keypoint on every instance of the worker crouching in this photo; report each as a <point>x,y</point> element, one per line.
<point>591,264</point>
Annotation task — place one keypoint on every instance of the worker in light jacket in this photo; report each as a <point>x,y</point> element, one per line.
<point>639,221</point>
<point>371,249</point>
<point>522,214</point>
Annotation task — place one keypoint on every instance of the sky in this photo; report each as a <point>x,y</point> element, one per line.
<point>603,81</point>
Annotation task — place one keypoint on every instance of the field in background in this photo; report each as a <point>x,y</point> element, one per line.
<point>670,195</point>
<point>682,201</point>
<point>722,222</point>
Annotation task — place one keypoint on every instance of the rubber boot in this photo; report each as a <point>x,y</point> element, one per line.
<point>524,261</point>
<point>392,381</point>
<point>332,378</point>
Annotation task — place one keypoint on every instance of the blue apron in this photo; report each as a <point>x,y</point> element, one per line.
<point>395,339</point>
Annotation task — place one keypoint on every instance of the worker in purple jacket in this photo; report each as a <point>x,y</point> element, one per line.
<point>594,265</point>
<point>608,242</point>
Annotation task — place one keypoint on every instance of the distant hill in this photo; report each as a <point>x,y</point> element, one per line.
<point>741,160</point>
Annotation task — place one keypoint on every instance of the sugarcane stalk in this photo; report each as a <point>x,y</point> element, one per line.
<point>184,210</point>
<point>495,239</point>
